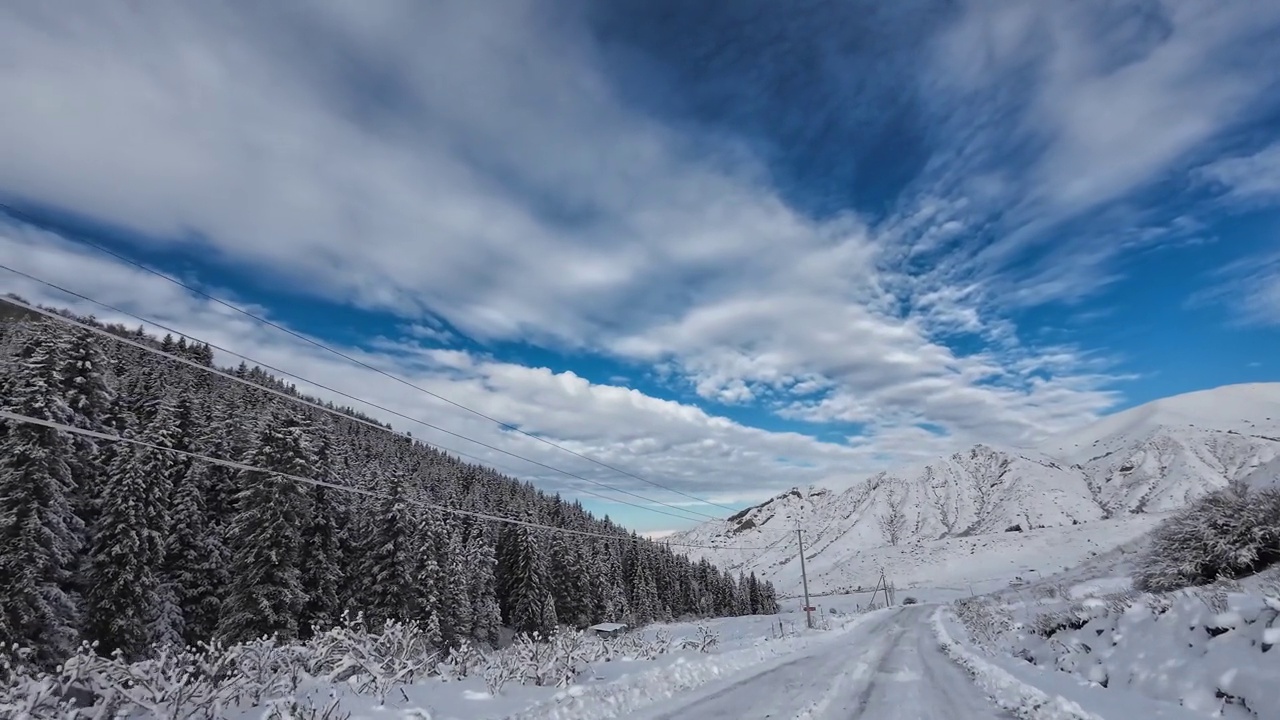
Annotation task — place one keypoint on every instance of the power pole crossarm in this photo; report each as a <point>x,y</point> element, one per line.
<point>804,578</point>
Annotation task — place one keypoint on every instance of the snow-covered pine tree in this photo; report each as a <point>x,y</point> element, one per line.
<point>614,605</point>
<point>389,555</point>
<point>195,558</point>
<point>126,606</point>
<point>265,595</point>
<point>481,561</point>
<point>86,389</point>
<point>424,595</point>
<point>742,598</point>
<point>40,534</point>
<point>532,605</point>
<point>568,580</point>
<point>456,613</point>
<point>644,592</point>
<point>322,544</point>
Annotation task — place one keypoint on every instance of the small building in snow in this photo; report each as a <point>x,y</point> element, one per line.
<point>608,630</point>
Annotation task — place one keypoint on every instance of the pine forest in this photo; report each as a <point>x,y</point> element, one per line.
<point>136,547</point>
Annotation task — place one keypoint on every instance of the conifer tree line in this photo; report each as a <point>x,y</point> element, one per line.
<point>133,547</point>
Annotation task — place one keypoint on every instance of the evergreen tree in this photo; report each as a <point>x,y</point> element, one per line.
<point>195,559</point>
<point>86,389</point>
<point>390,557</point>
<point>321,558</point>
<point>644,594</point>
<point>481,562</point>
<point>425,593</point>
<point>532,605</point>
<point>126,600</point>
<point>265,595</point>
<point>457,613</point>
<point>322,545</point>
<point>39,532</point>
<point>568,581</point>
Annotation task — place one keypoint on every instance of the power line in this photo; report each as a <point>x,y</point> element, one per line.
<point>15,417</point>
<point>19,214</point>
<point>336,413</point>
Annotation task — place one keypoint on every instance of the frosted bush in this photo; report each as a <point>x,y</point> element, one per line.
<point>375,662</point>
<point>464,660</point>
<point>28,693</point>
<point>266,669</point>
<point>292,709</point>
<point>178,683</point>
<point>703,642</point>
<point>985,623</point>
<point>1225,534</point>
<point>502,669</point>
<point>205,682</point>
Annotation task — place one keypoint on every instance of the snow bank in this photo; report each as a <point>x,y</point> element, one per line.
<point>1011,694</point>
<point>1100,587</point>
<point>1207,650</point>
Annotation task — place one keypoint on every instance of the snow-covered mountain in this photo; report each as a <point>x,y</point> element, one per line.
<point>1108,481</point>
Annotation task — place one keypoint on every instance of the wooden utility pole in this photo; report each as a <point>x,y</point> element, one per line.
<point>804,578</point>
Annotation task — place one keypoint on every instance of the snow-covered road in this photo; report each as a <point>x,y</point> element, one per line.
<point>889,668</point>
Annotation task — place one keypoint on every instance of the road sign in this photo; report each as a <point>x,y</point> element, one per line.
<point>810,609</point>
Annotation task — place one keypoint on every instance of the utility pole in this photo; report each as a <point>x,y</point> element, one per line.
<point>804,577</point>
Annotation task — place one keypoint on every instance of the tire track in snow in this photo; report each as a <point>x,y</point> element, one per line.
<point>860,670</point>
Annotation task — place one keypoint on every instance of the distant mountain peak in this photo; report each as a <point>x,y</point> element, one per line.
<point>1149,459</point>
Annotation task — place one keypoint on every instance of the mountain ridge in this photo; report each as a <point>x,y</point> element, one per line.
<point>1144,461</point>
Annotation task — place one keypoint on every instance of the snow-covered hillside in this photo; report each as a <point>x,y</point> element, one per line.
<point>1161,455</point>
<point>1074,496</point>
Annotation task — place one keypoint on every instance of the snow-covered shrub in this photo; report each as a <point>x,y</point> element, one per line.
<point>1072,618</point>
<point>502,669</point>
<point>1214,598</point>
<point>464,660</point>
<point>291,708</point>
<point>707,639</point>
<point>375,662</point>
<point>984,622</point>
<point>535,657</point>
<point>26,692</point>
<point>265,669</point>
<point>1228,533</point>
<point>177,683</point>
<point>1048,592</point>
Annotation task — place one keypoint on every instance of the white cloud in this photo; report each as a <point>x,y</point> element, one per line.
<point>1249,177</point>
<point>361,161</point>
<point>1093,101</point>
<point>1250,287</point>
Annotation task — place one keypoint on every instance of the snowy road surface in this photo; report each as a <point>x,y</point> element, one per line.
<point>888,669</point>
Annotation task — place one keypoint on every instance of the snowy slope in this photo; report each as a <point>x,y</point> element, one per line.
<point>1161,455</point>
<point>1125,469</point>
<point>1266,475</point>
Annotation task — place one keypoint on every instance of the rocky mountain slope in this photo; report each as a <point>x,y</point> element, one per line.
<point>1126,469</point>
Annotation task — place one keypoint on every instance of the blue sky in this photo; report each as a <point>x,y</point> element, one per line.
<point>730,247</point>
